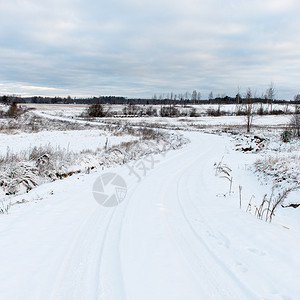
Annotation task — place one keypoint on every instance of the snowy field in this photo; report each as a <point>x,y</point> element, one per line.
<point>81,140</point>
<point>70,110</point>
<point>192,123</point>
<point>73,110</point>
<point>66,110</point>
<point>196,220</point>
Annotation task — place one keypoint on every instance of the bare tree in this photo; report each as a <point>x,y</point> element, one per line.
<point>238,96</point>
<point>271,93</point>
<point>210,96</point>
<point>199,96</point>
<point>194,96</point>
<point>170,103</point>
<point>249,109</point>
<point>187,95</point>
<point>4,99</point>
<point>297,98</point>
<point>238,105</point>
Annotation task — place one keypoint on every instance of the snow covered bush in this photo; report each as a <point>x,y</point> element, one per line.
<point>21,172</point>
<point>280,169</point>
<point>29,122</point>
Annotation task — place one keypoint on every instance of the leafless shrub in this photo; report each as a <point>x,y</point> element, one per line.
<point>249,207</point>
<point>216,112</point>
<point>169,111</point>
<point>193,112</point>
<point>286,136</point>
<point>240,110</point>
<point>279,200</point>
<point>295,125</point>
<point>223,171</point>
<point>14,111</point>
<point>268,206</point>
<point>150,111</point>
<point>276,112</point>
<point>96,111</point>
<point>261,110</point>
<point>132,110</point>
<point>118,133</point>
<point>88,151</point>
<point>126,146</point>
<point>4,206</point>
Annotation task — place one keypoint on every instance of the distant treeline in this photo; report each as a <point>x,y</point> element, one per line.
<point>138,101</point>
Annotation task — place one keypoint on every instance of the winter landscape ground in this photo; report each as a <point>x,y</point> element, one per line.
<point>148,207</point>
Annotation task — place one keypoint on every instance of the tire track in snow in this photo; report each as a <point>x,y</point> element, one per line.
<point>177,242</point>
<point>77,252</point>
<point>231,280</point>
<point>113,273</point>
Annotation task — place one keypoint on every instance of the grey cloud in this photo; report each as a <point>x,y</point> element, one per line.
<point>139,48</point>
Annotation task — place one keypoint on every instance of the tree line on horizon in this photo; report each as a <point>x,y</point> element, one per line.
<point>174,99</point>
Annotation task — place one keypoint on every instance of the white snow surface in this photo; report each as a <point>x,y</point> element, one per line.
<point>77,109</point>
<point>173,237</point>
<point>72,140</point>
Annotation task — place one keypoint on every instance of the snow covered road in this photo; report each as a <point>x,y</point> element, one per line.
<point>171,238</point>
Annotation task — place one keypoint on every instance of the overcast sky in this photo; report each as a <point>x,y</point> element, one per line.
<point>137,48</point>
